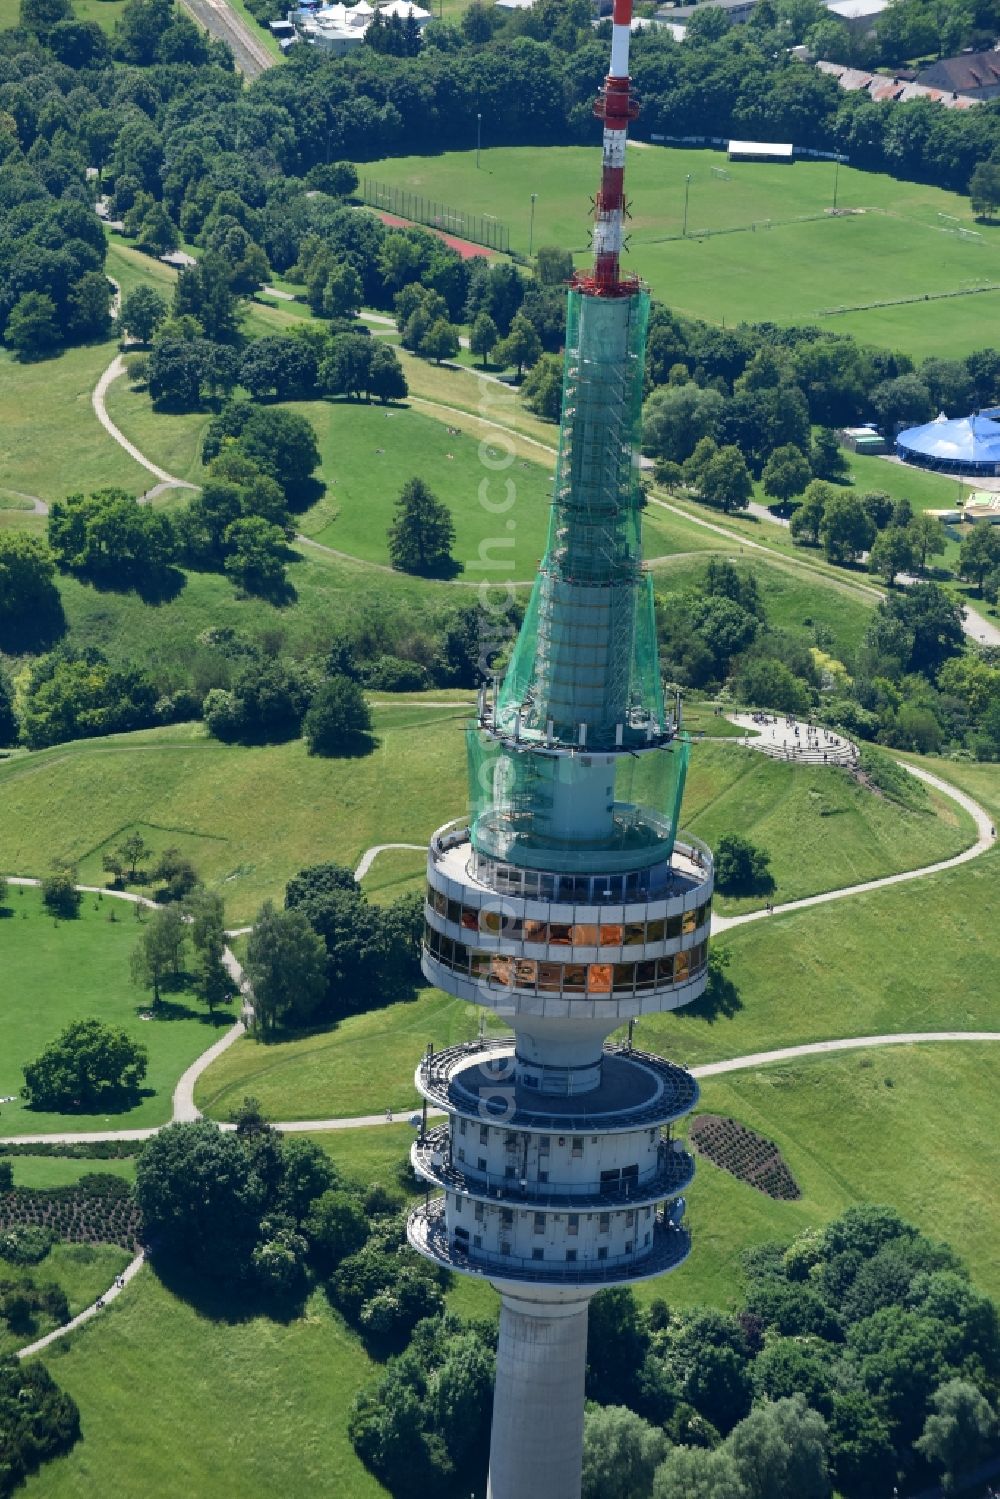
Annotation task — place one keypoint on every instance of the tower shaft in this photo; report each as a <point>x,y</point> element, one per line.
<point>567,905</point>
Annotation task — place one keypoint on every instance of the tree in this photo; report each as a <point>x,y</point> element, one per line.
<point>29,599</point>
<point>256,558</point>
<point>205,292</point>
<point>781,1449</point>
<point>861,1452</point>
<point>553,265</point>
<point>483,336</point>
<point>725,480</point>
<point>422,532</point>
<point>441,341</point>
<point>142,312</point>
<point>130,852</point>
<point>984,189</point>
<point>40,16</point>
<point>927,538</point>
<point>827,456</point>
<point>891,553</point>
<point>698,1473</point>
<point>335,1227</point>
<point>808,516</point>
<point>621,1452</point>
<point>343,292</point>
<point>201,1199</point>
<point>521,347</point>
<point>846,529</point>
<point>177,873</point>
<point>902,402</point>
<point>281,443</point>
<point>285,968</point>
<point>157,233</point>
<point>741,867</point>
<point>957,1432</point>
<point>111,537</point>
<point>33,326</point>
<point>88,1069</point>
<point>8,715</point>
<point>786,473</point>
<point>59,893</point>
<point>316,881</point>
<point>160,950</point>
<point>978,555</point>
<point>542,389</point>
<point>339,720</point>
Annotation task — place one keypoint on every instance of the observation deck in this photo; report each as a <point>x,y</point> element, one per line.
<point>477,1080</point>
<point>431,1159</point>
<point>427,1232</point>
<point>689,870</point>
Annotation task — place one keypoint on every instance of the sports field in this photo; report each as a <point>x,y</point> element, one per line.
<point>761,244</point>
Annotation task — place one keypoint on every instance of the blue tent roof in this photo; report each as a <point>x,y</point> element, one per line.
<point>965,439</point>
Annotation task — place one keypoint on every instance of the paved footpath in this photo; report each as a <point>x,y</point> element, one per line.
<point>985,839</point>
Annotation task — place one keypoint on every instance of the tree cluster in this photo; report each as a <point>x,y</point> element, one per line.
<point>423,1426</point>
<point>276,1215</point>
<point>40,1421</point>
<point>717,631</point>
<point>331,952</point>
<point>862,1357</point>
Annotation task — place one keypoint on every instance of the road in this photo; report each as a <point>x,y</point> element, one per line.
<point>220,20</point>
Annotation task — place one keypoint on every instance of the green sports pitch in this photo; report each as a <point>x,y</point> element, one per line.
<point>901,264</point>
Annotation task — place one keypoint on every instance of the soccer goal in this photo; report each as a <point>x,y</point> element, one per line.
<point>720,172</point>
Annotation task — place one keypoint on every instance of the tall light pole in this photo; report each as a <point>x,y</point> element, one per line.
<point>479,137</point>
<point>687,189</point>
<point>836,179</point>
<point>531,225</point>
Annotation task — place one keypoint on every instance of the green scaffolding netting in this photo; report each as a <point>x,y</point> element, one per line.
<point>585,668</point>
<point>520,797</point>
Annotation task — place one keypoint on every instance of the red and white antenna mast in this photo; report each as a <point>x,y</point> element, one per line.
<point>615,107</point>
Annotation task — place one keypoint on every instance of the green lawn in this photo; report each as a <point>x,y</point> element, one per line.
<point>179,1404</point>
<point>364,1066</point>
<point>55,972</point>
<point>51,443</point>
<point>398,871</point>
<point>802,269</point>
<point>82,1270</point>
<point>45,1171</point>
<point>912,1126</point>
<point>821,828</point>
<point>104,12</point>
<point>249,818</point>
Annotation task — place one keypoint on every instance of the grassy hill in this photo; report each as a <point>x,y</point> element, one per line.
<point>250,817</point>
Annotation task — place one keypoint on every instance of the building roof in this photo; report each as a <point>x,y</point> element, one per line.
<point>960,440</point>
<point>856,10</point>
<point>971,72</point>
<point>760,148</point>
<point>685,12</point>
<point>884,89</point>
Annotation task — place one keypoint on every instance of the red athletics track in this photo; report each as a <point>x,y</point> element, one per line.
<point>465,247</point>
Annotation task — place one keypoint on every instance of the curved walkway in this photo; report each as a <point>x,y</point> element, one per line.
<point>113,372</point>
<point>985,839</point>
<point>131,1269</point>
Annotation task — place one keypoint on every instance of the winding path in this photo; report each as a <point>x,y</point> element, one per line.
<point>113,372</point>
<point>985,839</point>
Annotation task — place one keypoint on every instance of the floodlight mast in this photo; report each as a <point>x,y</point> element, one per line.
<point>615,107</point>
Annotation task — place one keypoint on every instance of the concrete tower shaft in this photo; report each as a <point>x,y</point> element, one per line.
<point>566,904</point>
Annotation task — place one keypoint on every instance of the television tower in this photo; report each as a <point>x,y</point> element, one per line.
<point>567,905</point>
